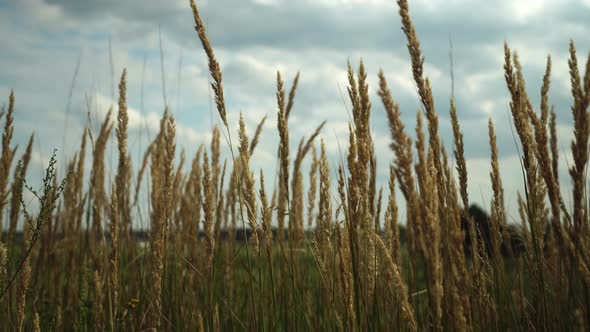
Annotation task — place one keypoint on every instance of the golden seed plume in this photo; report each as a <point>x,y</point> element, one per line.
<point>248,190</point>
<point>208,209</point>
<point>256,137</point>
<point>214,67</point>
<point>7,154</point>
<point>291,101</point>
<point>123,176</point>
<point>283,127</point>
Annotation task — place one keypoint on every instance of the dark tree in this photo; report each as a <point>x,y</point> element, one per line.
<point>513,243</point>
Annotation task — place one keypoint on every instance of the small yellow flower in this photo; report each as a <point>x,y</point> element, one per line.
<point>132,303</point>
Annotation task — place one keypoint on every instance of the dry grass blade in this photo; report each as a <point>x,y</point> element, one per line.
<point>98,172</point>
<point>20,173</point>
<point>398,284</point>
<point>311,193</point>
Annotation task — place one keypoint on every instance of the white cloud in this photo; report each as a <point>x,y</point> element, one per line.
<point>477,82</point>
<point>524,9</point>
<point>150,121</point>
<point>267,2</point>
<point>46,14</point>
<point>488,106</point>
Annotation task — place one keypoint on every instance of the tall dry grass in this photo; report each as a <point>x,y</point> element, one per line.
<point>221,253</point>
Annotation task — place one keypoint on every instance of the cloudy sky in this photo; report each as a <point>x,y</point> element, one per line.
<point>45,41</point>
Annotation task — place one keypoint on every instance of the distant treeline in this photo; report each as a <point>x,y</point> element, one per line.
<point>479,217</point>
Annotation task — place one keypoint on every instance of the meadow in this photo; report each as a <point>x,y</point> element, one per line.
<point>223,254</point>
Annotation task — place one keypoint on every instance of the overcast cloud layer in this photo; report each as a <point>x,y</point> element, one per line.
<point>43,40</point>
